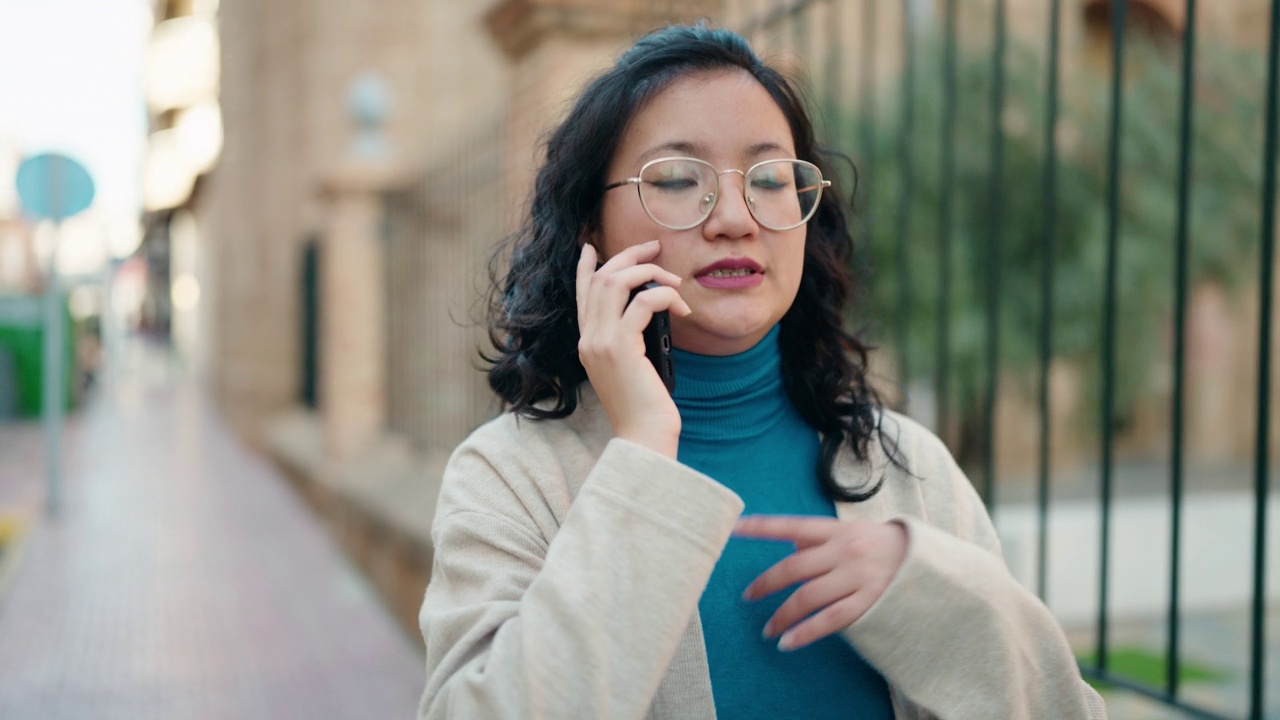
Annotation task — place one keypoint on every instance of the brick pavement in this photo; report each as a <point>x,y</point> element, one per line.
<point>185,580</point>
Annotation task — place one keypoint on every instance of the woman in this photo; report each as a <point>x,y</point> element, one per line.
<point>584,564</point>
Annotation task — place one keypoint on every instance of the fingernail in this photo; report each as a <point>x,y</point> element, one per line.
<point>787,642</point>
<point>767,632</point>
<point>746,594</point>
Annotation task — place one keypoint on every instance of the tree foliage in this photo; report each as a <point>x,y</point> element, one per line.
<point>1224,209</point>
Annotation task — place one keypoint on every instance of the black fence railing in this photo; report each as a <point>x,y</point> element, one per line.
<point>880,103</point>
<point>1262,450</point>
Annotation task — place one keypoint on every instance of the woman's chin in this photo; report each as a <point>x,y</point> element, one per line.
<point>720,338</point>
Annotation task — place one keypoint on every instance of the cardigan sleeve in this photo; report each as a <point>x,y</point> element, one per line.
<point>954,632</point>
<point>581,622</point>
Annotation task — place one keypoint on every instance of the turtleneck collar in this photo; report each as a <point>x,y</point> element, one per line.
<point>731,397</point>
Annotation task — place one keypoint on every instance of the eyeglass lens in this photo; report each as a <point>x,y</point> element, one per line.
<point>680,192</point>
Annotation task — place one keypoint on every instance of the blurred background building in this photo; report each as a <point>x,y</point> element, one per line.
<point>461,98</point>
<point>324,182</point>
<point>182,94</point>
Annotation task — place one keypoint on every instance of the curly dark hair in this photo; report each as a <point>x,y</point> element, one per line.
<point>533,321</point>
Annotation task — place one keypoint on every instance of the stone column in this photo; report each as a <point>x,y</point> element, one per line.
<point>353,347</point>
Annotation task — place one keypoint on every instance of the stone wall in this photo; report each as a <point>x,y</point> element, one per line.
<point>287,67</point>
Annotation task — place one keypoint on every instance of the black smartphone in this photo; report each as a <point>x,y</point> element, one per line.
<point>657,341</point>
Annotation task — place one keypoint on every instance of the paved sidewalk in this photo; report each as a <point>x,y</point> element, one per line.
<point>183,579</point>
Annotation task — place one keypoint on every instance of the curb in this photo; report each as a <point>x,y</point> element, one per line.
<point>11,556</point>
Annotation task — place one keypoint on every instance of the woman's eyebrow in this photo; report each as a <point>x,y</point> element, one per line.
<point>678,146</point>
<point>683,147</point>
<point>761,148</point>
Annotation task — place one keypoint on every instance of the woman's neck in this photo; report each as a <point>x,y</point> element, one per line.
<point>730,397</point>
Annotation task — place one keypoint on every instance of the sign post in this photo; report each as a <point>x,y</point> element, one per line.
<point>53,187</point>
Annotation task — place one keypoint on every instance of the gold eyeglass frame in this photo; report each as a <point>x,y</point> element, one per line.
<point>822,184</point>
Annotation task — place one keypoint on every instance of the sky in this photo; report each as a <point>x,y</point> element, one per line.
<point>71,81</point>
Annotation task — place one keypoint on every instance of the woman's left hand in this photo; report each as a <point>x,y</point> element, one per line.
<point>844,566</point>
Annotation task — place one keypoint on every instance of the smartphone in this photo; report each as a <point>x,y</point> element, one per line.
<point>657,341</point>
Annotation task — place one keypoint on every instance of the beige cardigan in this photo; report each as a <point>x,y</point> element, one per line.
<point>569,564</point>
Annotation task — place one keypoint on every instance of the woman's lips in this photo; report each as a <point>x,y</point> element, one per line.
<point>731,282</point>
<point>731,274</point>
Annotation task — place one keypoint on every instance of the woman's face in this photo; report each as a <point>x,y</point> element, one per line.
<point>728,119</point>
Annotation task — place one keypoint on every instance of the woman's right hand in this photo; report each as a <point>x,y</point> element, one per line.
<point>611,344</point>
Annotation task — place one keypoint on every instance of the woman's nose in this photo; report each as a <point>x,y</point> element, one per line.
<point>730,217</point>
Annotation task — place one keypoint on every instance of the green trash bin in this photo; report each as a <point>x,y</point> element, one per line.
<point>8,385</point>
<point>22,339</point>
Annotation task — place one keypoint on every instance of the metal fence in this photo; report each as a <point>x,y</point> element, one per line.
<point>439,232</point>
<point>875,69</point>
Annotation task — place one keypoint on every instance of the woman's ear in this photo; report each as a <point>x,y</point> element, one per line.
<point>593,237</point>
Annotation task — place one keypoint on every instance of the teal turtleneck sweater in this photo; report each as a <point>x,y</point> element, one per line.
<point>739,427</point>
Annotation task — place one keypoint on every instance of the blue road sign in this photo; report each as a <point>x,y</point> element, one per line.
<point>53,187</point>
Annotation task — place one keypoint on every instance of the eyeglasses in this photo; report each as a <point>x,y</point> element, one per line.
<point>679,193</point>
